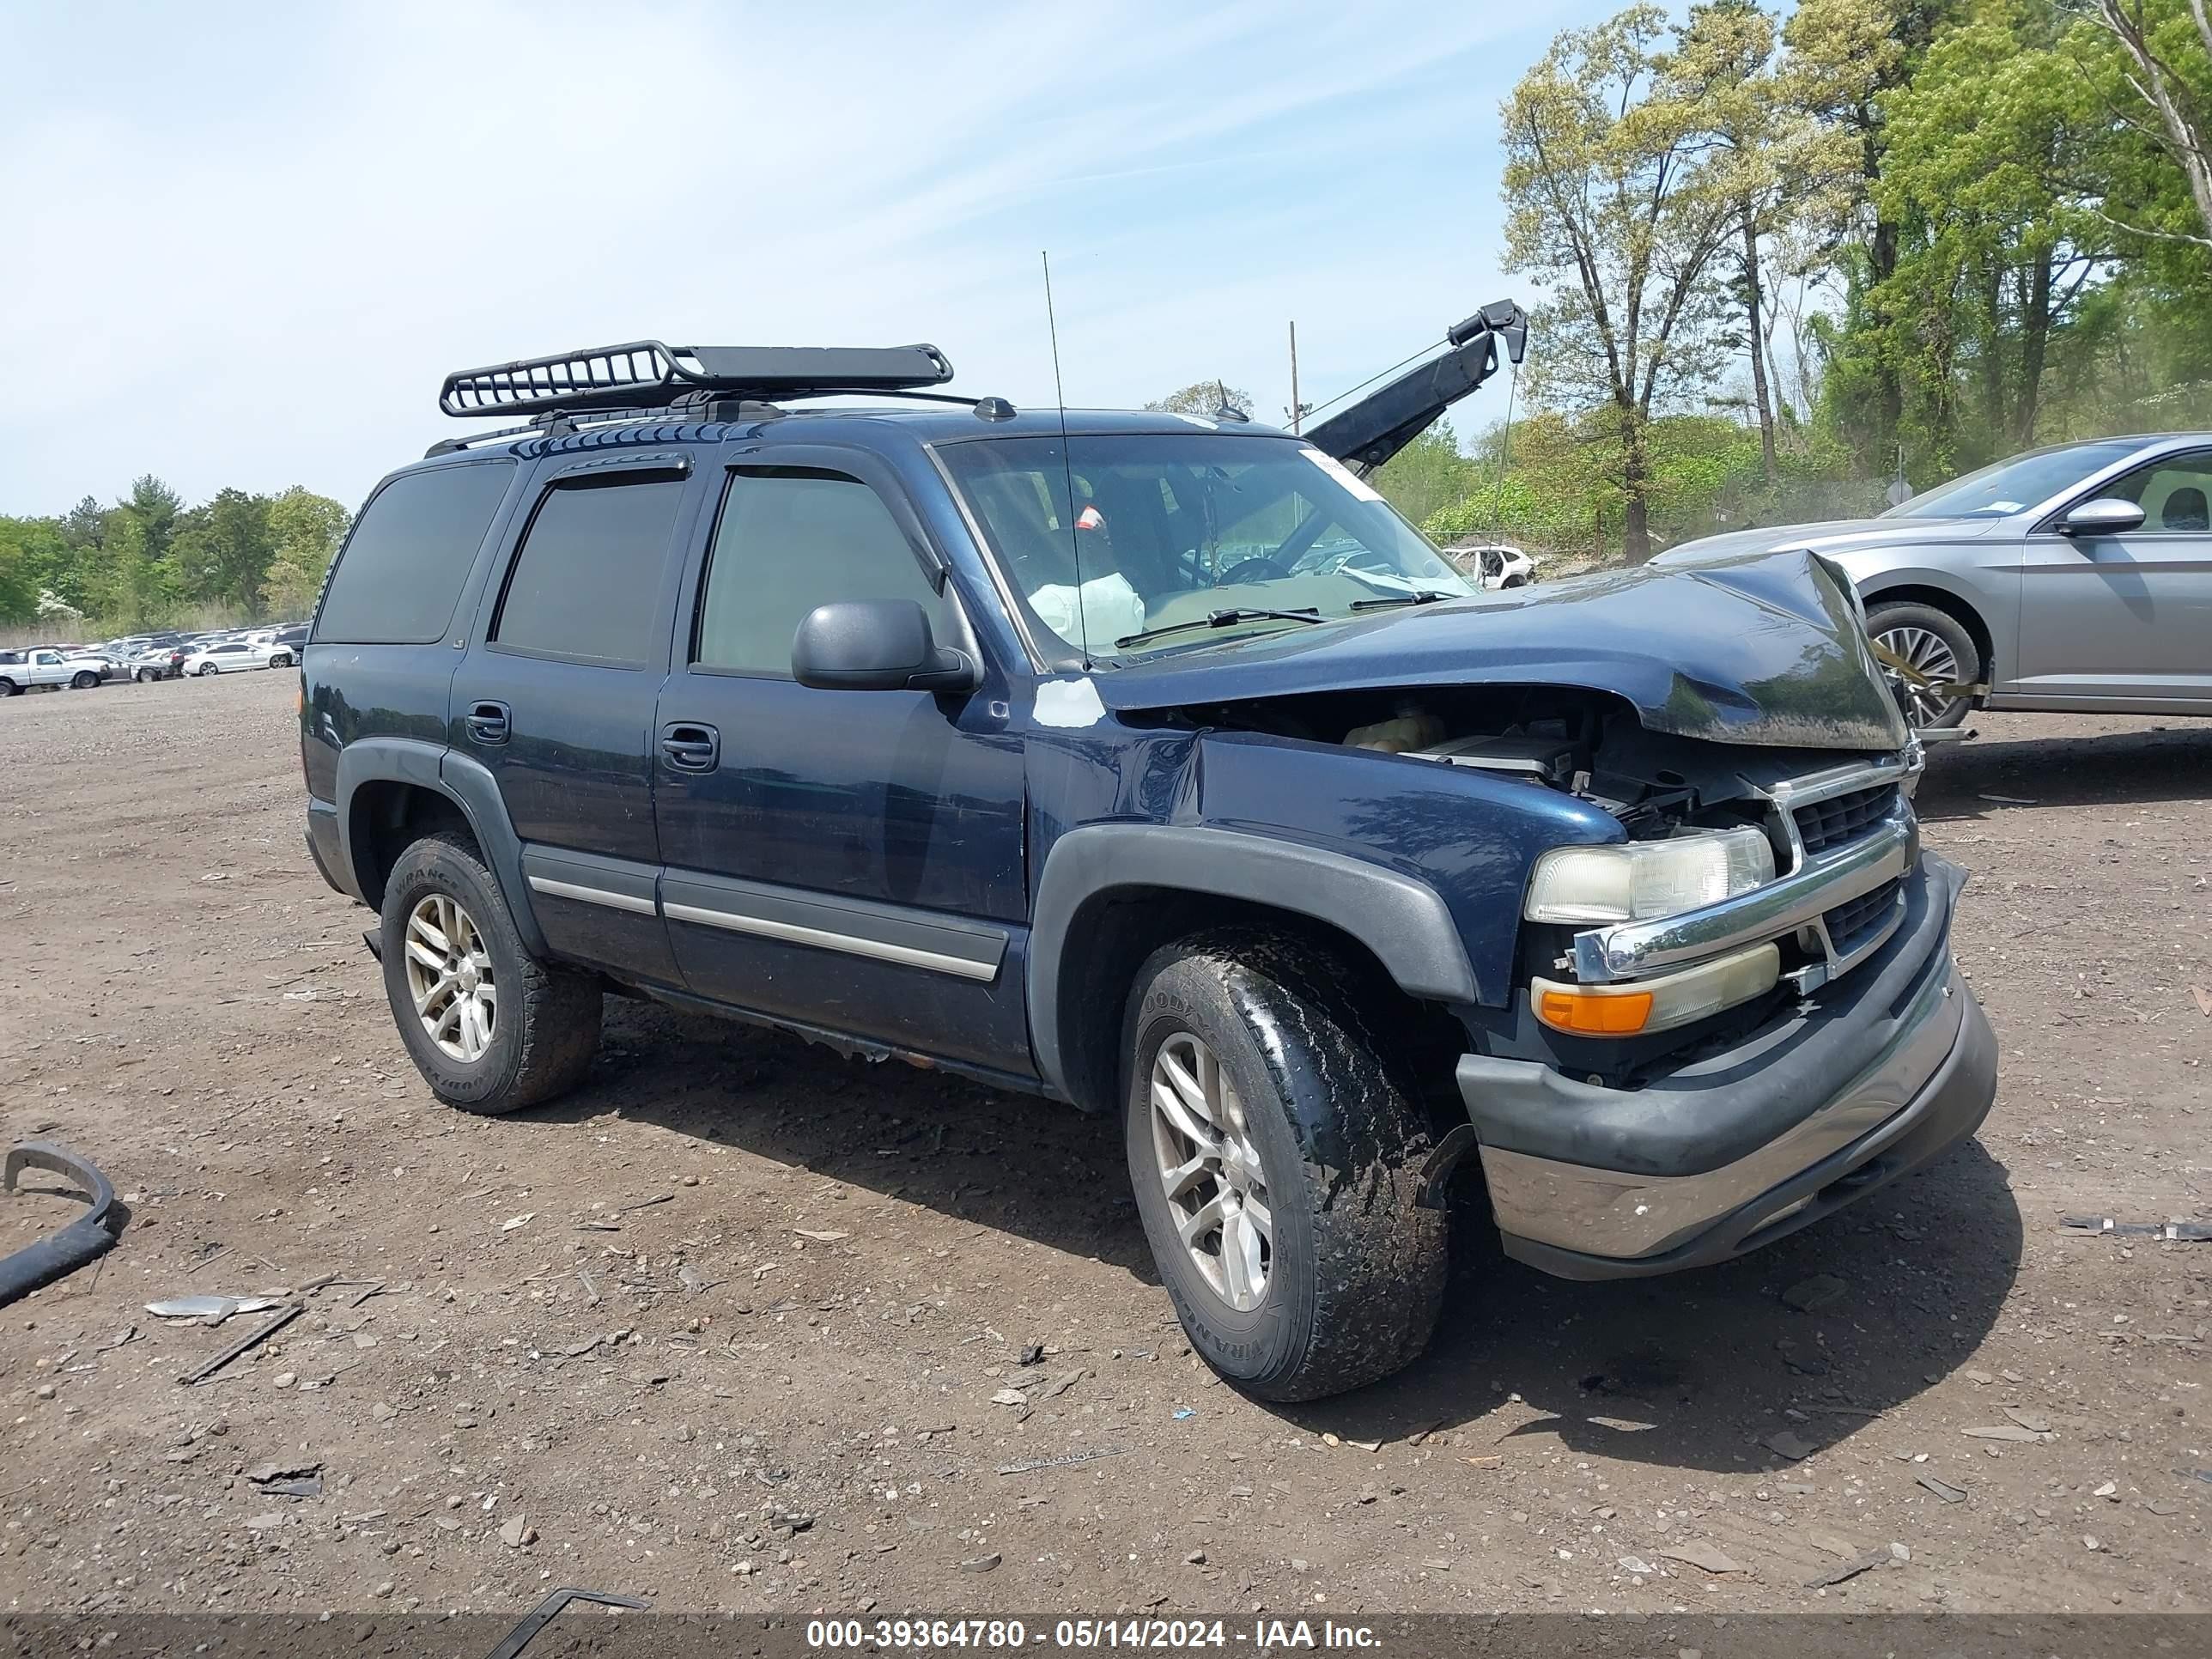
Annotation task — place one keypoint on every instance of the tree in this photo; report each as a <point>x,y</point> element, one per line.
<point>221,550</point>
<point>155,507</point>
<point>1612,199</point>
<point>1201,398</point>
<point>1427,474</point>
<point>1772,160</point>
<point>19,573</point>
<point>1844,56</point>
<point>306,529</point>
<point>1992,148</point>
<point>2167,59</point>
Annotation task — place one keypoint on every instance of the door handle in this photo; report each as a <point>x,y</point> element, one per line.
<point>488,722</point>
<point>691,747</point>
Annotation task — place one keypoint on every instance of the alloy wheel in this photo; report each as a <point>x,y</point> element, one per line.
<point>1926,654</point>
<point>1209,1169</point>
<point>450,977</point>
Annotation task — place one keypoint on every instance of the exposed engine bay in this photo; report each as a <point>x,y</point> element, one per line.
<point>1584,744</point>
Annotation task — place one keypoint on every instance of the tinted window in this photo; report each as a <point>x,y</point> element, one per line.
<point>404,565</point>
<point>789,542</point>
<point>587,581</point>
<point>2175,493</point>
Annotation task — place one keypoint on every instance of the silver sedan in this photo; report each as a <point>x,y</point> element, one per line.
<point>2073,579</point>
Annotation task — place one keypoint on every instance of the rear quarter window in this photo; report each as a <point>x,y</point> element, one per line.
<point>404,567</point>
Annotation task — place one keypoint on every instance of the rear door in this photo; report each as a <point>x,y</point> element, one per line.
<point>556,697</point>
<point>2126,617</point>
<point>846,859</point>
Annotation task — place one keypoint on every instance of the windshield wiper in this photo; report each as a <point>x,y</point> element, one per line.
<point>1223,619</point>
<point>1418,596</point>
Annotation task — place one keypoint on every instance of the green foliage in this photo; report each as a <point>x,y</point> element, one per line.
<point>1988,217</point>
<point>1427,475</point>
<point>307,529</point>
<point>1201,398</point>
<point>150,560</point>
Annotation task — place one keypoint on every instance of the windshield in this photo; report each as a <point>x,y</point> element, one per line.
<point>2025,480</point>
<point>1180,528</point>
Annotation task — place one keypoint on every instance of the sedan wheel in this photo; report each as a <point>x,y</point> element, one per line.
<point>449,975</point>
<point>1927,656</point>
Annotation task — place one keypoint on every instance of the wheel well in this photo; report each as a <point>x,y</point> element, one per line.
<point>385,819</point>
<point>1113,933</point>
<point>1950,604</point>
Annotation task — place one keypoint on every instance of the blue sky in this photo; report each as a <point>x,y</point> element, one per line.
<point>248,241</point>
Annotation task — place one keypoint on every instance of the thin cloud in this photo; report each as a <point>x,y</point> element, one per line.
<point>251,239</point>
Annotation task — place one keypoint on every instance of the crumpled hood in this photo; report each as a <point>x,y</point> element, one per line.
<point>1761,648</point>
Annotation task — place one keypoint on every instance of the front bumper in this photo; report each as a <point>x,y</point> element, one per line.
<point>1739,1148</point>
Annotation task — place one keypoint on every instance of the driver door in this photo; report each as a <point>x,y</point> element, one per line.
<point>2126,617</point>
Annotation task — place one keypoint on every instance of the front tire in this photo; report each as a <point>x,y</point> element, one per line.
<point>1936,645</point>
<point>1276,1160</point>
<point>491,1029</point>
<point>83,680</point>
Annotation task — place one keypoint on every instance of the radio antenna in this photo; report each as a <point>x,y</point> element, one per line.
<point>1067,463</point>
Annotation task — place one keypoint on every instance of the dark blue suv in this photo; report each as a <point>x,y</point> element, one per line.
<point>1155,765</point>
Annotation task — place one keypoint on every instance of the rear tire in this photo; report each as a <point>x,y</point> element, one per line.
<point>1349,1271</point>
<point>543,1029</point>
<point>282,660</point>
<point>9,688</point>
<point>208,668</point>
<point>1936,643</point>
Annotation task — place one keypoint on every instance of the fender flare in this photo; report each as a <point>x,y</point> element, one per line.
<point>1402,920</point>
<point>466,782</point>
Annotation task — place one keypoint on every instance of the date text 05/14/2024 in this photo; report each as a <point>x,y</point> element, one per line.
<point>1262,1635</point>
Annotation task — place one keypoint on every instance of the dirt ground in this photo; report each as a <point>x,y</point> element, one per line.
<point>729,1327</point>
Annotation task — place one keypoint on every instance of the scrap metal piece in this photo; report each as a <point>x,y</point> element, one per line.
<point>544,1612</point>
<point>85,1239</point>
<point>2176,1231</point>
<point>284,1317</point>
<point>1031,1465</point>
<point>213,1309</point>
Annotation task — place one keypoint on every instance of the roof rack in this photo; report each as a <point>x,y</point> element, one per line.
<point>648,374</point>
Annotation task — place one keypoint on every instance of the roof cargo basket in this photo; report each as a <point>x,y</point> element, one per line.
<point>648,374</point>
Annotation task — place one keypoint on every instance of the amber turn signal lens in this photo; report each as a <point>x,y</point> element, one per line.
<point>1594,1015</point>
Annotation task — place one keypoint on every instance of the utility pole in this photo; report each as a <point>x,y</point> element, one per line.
<point>1298,413</point>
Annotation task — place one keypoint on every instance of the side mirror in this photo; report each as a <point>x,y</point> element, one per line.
<point>877,645</point>
<point>2105,516</point>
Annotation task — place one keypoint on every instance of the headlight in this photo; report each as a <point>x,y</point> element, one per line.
<point>1643,880</point>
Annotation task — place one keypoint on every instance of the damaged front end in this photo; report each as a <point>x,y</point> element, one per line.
<point>1671,815</point>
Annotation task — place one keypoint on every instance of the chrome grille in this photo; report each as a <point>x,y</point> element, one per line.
<point>1822,824</point>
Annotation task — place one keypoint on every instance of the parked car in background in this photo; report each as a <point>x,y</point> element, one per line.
<point>156,662</point>
<point>2074,578</point>
<point>47,665</point>
<point>1498,566</point>
<point>228,656</point>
